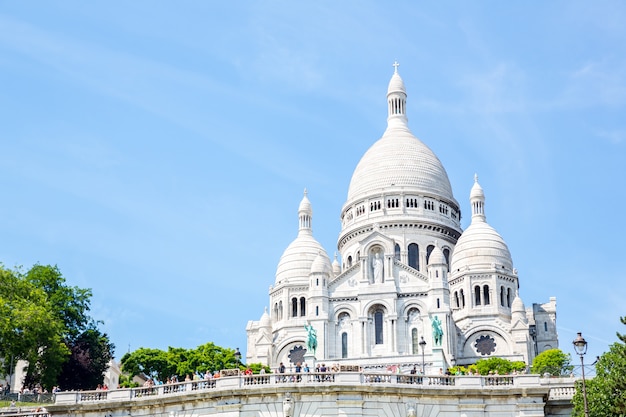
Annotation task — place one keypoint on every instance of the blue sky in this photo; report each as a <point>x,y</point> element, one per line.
<point>157,152</point>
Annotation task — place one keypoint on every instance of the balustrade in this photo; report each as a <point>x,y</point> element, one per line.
<point>560,390</point>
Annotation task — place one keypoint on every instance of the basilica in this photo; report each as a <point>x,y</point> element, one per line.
<point>409,286</point>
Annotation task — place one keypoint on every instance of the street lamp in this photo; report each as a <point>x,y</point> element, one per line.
<point>422,345</point>
<point>581,348</point>
<point>238,357</point>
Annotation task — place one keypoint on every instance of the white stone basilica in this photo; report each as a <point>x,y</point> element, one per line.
<point>409,273</point>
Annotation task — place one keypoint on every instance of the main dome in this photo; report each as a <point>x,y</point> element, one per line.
<point>399,160</point>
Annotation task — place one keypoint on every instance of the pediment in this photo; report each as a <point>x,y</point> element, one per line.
<point>263,340</point>
<point>347,280</point>
<point>377,237</point>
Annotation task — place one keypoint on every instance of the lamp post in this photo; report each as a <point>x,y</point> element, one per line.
<point>581,348</point>
<point>238,357</point>
<point>422,345</point>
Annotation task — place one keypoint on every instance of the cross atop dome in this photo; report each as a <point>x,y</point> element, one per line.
<point>395,66</point>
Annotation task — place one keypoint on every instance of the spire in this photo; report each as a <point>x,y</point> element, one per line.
<point>477,200</point>
<point>305,214</point>
<point>396,97</point>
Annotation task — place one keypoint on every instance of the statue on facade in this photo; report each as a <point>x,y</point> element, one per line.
<point>288,406</point>
<point>311,342</point>
<point>437,330</point>
<point>377,266</point>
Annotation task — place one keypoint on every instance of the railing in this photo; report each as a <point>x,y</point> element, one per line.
<point>28,398</point>
<point>560,388</point>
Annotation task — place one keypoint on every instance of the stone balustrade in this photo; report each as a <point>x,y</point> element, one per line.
<point>561,390</point>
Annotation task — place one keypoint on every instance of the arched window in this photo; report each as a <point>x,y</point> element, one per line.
<point>349,261</point>
<point>429,250</point>
<point>477,295</point>
<point>414,342</point>
<point>396,252</point>
<point>414,256</point>
<point>317,310</point>
<point>502,296</point>
<point>486,294</point>
<point>294,307</point>
<point>508,297</point>
<point>456,299</point>
<point>344,345</point>
<point>378,327</point>
<point>280,310</point>
<point>302,306</point>
<point>462,299</point>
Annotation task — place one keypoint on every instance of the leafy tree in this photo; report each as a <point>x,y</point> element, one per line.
<point>91,353</point>
<point>153,363</point>
<point>553,361</point>
<point>498,365</point>
<point>30,329</point>
<point>42,317</point>
<point>127,382</point>
<point>606,392</point>
<point>70,304</point>
<point>159,364</point>
<point>256,368</point>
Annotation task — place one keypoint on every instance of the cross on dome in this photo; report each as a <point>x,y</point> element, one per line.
<point>395,66</point>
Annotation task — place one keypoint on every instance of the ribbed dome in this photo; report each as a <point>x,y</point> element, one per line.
<point>436,257</point>
<point>396,84</point>
<point>321,264</point>
<point>480,246</point>
<point>265,320</point>
<point>399,159</point>
<point>518,305</point>
<point>297,259</point>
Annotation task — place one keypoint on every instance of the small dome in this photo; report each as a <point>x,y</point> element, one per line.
<point>298,258</point>
<point>518,305</point>
<point>480,246</point>
<point>305,205</point>
<point>321,264</point>
<point>265,320</point>
<point>477,190</point>
<point>436,257</point>
<point>396,84</point>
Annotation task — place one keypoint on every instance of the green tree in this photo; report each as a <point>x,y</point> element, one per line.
<point>70,304</point>
<point>153,363</point>
<point>30,329</point>
<point>498,365</point>
<point>42,317</point>
<point>606,392</point>
<point>553,361</point>
<point>159,364</point>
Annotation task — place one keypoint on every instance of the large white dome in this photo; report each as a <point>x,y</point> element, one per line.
<point>399,160</point>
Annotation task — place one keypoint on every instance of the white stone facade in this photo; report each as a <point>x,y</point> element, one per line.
<point>405,263</point>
